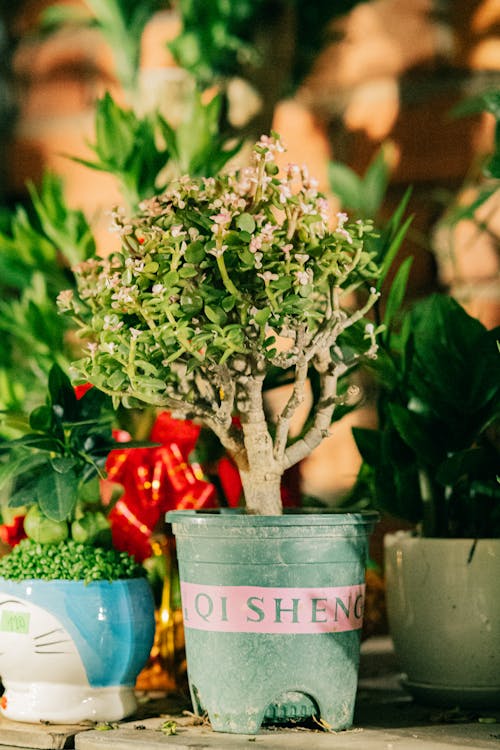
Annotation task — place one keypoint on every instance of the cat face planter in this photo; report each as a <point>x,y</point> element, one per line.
<point>71,651</point>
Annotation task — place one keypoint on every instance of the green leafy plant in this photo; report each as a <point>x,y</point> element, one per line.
<point>362,195</point>
<point>487,102</point>
<point>53,469</point>
<point>42,241</point>
<point>434,458</point>
<point>197,146</point>
<point>137,150</point>
<point>476,204</point>
<point>215,40</point>
<point>68,560</point>
<point>38,245</point>
<point>121,23</point>
<point>221,39</point>
<point>47,238</point>
<point>219,282</point>
<point>126,146</point>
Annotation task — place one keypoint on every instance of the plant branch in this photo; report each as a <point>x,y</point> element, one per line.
<point>320,427</point>
<point>296,398</point>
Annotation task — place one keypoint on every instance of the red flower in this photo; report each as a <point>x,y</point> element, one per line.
<point>12,533</point>
<point>81,390</point>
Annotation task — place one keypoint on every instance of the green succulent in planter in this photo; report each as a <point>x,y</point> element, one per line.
<point>220,282</point>
<point>434,459</point>
<point>51,473</point>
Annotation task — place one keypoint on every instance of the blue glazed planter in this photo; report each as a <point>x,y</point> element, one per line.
<point>273,610</point>
<point>71,651</point>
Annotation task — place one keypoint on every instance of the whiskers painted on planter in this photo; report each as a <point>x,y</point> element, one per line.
<point>40,647</point>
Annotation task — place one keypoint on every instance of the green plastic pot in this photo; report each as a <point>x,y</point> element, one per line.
<point>273,610</point>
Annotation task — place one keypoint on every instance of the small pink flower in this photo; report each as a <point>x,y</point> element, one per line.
<point>177,231</point>
<point>302,277</point>
<point>342,217</point>
<point>255,244</point>
<point>345,234</point>
<point>268,276</point>
<point>65,299</point>
<point>223,218</point>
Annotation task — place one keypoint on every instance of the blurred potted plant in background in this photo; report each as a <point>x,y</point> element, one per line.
<point>433,462</point>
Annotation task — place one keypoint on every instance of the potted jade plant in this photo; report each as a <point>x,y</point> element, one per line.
<point>433,461</point>
<point>76,615</point>
<point>222,286</point>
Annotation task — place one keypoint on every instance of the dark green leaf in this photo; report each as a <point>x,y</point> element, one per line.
<point>25,464</point>
<point>228,303</point>
<point>61,464</point>
<point>41,418</point>
<point>195,252</point>
<point>218,317</point>
<point>419,433</point>
<point>62,393</point>
<point>368,443</point>
<point>470,463</point>
<point>57,494</point>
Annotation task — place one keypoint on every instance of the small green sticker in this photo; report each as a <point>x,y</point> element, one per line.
<point>14,622</point>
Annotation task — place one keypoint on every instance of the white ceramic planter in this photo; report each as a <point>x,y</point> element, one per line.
<point>443,606</point>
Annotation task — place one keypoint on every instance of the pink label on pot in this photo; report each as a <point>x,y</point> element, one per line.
<point>255,609</point>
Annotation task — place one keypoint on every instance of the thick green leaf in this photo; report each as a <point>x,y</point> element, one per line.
<point>41,418</point>
<point>419,433</point>
<point>62,393</point>
<point>25,464</point>
<point>368,443</point>
<point>63,464</point>
<point>375,183</point>
<point>346,185</point>
<point>396,295</point>
<point>246,222</point>
<point>262,316</point>
<point>218,317</point>
<point>447,340</point>
<point>195,252</point>
<point>57,494</point>
<point>470,463</point>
